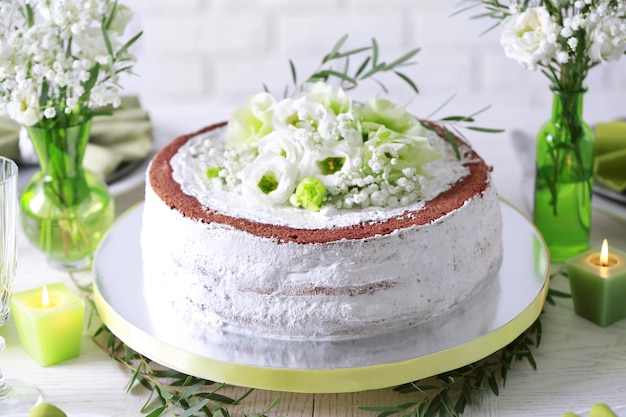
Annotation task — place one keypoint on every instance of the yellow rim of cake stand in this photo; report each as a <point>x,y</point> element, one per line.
<point>325,380</point>
<point>319,380</point>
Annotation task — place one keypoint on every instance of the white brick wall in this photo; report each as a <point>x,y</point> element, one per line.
<point>224,50</point>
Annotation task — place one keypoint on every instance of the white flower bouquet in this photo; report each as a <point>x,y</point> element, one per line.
<point>566,38</point>
<point>60,61</point>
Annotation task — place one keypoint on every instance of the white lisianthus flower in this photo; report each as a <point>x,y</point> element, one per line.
<point>331,96</point>
<point>92,44</point>
<point>123,15</point>
<point>251,121</point>
<point>330,164</point>
<point>607,40</point>
<point>281,142</point>
<point>530,37</point>
<point>24,108</point>
<point>269,180</point>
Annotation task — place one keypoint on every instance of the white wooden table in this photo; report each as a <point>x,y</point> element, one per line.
<point>578,363</point>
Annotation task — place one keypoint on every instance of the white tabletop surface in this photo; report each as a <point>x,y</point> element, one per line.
<point>578,363</point>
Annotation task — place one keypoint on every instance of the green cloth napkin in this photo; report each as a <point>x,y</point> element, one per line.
<point>123,137</point>
<point>610,159</point>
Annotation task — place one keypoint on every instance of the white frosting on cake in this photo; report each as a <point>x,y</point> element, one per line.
<point>189,166</point>
<point>342,288</point>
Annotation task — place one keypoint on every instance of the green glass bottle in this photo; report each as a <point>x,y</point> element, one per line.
<point>564,177</point>
<point>66,209</point>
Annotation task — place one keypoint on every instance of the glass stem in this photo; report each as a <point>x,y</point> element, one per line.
<point>5,390</point>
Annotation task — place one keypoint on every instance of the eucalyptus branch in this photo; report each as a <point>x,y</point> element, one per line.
<point>450,126</point>
<point>336,65</point>
<point>171,391</point>
<point>449,393</point>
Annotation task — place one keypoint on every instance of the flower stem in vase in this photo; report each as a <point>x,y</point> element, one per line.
<point>66,209</point>
<point>564,177</point>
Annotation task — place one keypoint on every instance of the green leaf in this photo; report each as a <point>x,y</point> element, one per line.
<point>196,407</point>
<point>452,141</point>
<point>457,119</point>
<point>408,81</point>
<point>107,40</point>
<point>374,52</point>
<point>375,69</point>
<point>485,129</point>
<point>127,45</point>
<point>335,49</point>
<point>240,399</point>
<point>30,16</point>
<point>325,74</point>
<point>157,412</point>
<point>293,72</point>
<point>362,67</point>
<point>403,59</point>
<point>351,52</point>
<point>107,24</point>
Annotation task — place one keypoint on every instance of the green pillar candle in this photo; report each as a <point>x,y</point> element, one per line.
<point>50,329</point>
<point>598,284</point>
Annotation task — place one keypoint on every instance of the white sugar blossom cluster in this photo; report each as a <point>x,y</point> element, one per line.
<point>60,59</point>
<point>564,36</point>
<point>321,149</point>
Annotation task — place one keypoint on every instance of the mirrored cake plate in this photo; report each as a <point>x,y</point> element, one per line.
<point>471,331</point>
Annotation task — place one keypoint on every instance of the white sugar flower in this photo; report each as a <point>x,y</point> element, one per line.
<point>270,179</point>
<point>529,37</point>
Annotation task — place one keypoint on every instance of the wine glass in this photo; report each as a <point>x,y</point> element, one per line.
<point>15,396</point>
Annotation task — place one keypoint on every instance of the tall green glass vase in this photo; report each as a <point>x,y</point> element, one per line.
<point>564,177</point>
<point>66,209</point>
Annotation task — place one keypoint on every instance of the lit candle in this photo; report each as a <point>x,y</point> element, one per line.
<point>598,283</point>
<point>49,322</point>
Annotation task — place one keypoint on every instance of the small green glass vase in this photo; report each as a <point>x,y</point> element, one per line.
<point>564,177</point>
<point>66,209</point>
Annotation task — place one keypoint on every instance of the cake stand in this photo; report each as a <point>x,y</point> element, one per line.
<point>487,322</point>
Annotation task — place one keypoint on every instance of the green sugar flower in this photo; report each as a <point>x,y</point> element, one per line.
<point>250,122</point>
<point>310,194</point>
<point>382,112</point>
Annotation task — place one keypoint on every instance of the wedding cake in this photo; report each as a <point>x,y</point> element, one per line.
<point>318,217</point>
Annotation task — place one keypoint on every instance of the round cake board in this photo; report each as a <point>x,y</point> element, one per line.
<point>487,322</point>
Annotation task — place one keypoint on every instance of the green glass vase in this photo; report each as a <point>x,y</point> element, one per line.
<point>66,209</point>
<point>564,177</point>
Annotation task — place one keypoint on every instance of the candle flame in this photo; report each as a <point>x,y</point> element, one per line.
<point>604,253</point>
<point>45,298</point>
